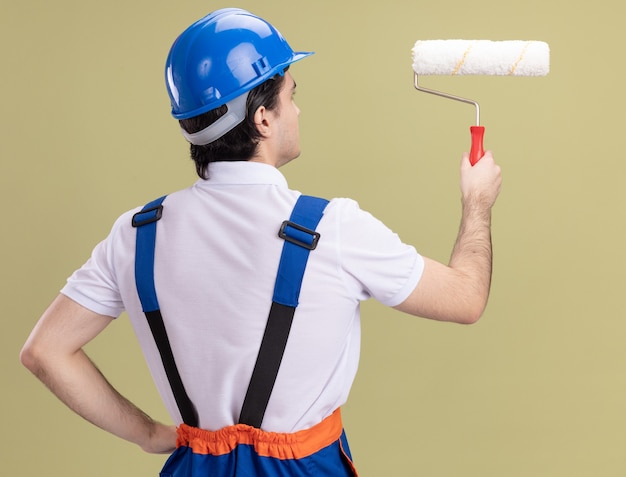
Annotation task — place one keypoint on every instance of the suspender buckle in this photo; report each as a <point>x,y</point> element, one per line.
<point>304,237</point>
<point>147,216</point>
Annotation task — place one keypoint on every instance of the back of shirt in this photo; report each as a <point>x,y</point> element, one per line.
<point>217,253</point>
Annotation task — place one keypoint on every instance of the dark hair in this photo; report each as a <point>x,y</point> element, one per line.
<point>239,144</point>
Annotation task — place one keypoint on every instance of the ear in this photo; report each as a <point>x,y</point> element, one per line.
<point>262,119</point>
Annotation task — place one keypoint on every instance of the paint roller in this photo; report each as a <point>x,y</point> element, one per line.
<point>478,57</point>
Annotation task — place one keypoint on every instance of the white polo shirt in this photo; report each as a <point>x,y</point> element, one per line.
<point>217,252</point>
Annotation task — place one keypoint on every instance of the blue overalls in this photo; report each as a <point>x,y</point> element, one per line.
<point>244,450</point>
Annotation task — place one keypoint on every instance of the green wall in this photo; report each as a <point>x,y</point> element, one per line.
<point>536,388</point>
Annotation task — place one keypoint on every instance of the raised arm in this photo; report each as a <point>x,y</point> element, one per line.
<point>458,292</point>
<point>53,352</point>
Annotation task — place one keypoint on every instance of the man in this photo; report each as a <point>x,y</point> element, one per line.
<point>216,256</point>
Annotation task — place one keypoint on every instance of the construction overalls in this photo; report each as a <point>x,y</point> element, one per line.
<point>244,450</point>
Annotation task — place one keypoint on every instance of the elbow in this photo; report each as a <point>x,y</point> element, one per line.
<point>472,300</point>
<point>32,358</point>
<point>28,357</point>
<point>469,318</point>
<point>471,309</point>
<point>472,312</point>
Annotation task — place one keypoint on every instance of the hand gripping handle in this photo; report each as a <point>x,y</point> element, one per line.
<point>477,151</point>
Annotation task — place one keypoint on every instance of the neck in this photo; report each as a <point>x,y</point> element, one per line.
<point>266,155</point>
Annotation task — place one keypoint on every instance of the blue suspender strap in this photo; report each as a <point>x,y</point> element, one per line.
<point>300,238</point>
<point>145,221</point>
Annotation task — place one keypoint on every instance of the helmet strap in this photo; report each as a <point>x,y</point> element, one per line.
<point>235,114</point>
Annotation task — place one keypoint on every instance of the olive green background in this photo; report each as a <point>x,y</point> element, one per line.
<point>536,388</point>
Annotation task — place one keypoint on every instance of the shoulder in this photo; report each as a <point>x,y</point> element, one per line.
<point>343,205</point>
<point>349,212</point>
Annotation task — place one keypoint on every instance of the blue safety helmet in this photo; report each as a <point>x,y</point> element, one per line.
<point>221,57</point>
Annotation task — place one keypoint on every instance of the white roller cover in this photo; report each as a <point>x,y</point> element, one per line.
<point>481,57</point>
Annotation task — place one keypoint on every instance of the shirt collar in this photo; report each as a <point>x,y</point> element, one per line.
<point>243,172</point>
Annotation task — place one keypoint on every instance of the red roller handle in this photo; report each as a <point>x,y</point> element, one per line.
<point>477,151</point>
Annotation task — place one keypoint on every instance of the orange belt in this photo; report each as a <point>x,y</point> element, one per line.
<point>268,444</point>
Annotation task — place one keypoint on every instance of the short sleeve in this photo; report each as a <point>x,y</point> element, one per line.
<point>95,285</point>
<point>387,269</point>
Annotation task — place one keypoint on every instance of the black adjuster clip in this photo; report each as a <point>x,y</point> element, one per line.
<point>282,233</point>
<point>147,216</point>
